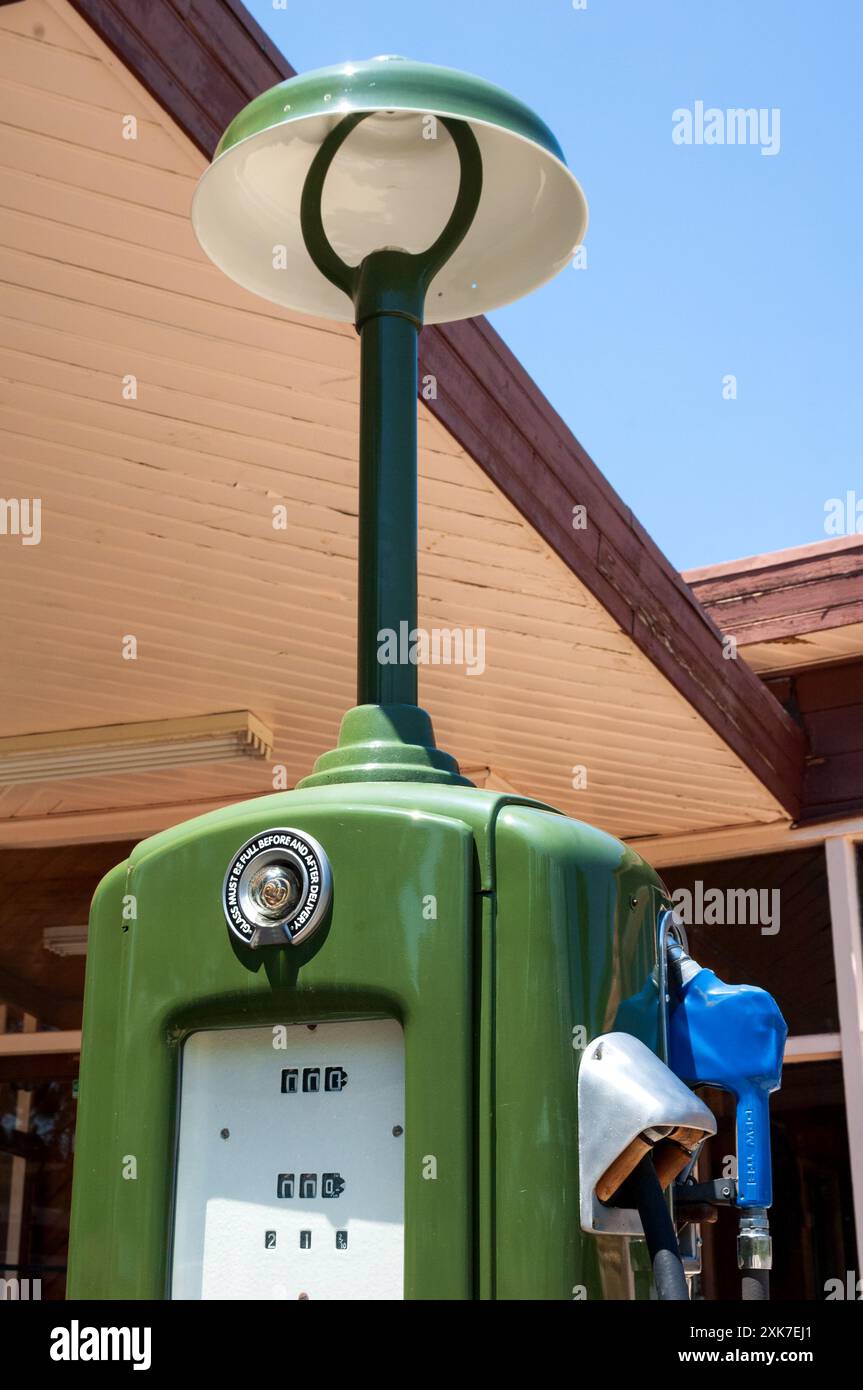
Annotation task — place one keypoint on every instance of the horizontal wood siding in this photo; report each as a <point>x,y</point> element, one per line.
<point>831,705</point>
<point>203,63</point>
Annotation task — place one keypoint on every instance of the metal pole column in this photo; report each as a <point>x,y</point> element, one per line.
<point>387,582</point>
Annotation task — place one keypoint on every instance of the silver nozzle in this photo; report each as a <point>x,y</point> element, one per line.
<point>754,1246</point>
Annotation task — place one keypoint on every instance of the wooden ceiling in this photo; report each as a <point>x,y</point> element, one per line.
<point>47,888</point>
<point>157,511</point>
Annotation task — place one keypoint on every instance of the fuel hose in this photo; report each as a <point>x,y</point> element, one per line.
<point>755,1285</point>
<point>642,1191</point>
<point>754,1255</point>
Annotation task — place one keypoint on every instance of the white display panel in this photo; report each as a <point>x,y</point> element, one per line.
<point>290,1170</point>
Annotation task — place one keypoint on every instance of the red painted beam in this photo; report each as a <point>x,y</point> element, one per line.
<point>791,592</point>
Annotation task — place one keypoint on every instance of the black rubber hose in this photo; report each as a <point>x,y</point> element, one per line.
<point>755,1285</point>
<point>642,1191</point>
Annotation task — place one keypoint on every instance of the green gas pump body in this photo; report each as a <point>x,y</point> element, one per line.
<point>498,933</point>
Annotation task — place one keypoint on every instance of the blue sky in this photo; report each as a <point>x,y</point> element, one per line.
<point>704,261</point>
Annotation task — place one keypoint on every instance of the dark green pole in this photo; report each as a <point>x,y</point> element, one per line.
<point>387,579</point>
<point>388,292</point>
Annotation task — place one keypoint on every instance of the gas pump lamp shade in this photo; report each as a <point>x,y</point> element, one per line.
<point>392,184</point>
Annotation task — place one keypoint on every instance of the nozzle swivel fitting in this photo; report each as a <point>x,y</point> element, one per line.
<point>754,1245</point>
<point>681,967</point>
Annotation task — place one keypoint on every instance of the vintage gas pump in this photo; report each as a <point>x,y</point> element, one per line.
<point>332,1036</point>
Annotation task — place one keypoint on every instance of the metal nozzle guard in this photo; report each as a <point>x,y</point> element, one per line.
<point>629,1103</point>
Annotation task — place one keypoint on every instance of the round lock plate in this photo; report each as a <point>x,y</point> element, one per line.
<point>277,888</point>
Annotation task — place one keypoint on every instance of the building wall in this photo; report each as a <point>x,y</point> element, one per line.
<point>828,701</point>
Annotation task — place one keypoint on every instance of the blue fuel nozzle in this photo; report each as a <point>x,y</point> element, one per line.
<point>732,1037</point>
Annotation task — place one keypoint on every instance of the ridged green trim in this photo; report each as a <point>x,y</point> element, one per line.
<point>385,743</point>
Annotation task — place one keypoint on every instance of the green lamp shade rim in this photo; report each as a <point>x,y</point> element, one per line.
<point>246,210</point>
<point>388,84</point>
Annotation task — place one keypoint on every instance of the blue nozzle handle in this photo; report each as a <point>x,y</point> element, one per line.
<point>733,1037</point>
<point>754,1168</point>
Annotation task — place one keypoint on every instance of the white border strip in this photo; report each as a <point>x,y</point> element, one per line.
<point>737,840</point>
<point>813,1047</point>
<point>38,1044</point>
<point>845,919</point>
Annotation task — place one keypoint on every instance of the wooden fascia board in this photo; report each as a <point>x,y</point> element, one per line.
<point>786,595</point>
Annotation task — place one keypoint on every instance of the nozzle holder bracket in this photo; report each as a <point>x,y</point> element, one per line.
<point>630,1104</point>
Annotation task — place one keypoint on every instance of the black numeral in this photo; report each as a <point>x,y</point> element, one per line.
<point>332,1184</point>
<point>335,1079</point>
